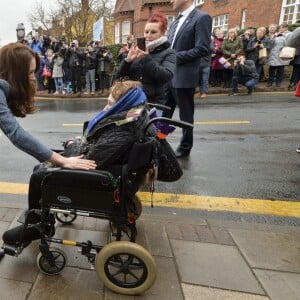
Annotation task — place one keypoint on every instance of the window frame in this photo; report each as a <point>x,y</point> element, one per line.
<point>220,23</point>
<point>128,31</point>
<point>198,2</point>
<point>290,11</point>
<point>117,33</point>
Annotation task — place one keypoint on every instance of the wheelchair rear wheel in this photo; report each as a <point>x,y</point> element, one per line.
<point>53,262</point>
<point>126,268</point>
<point>65,218</point>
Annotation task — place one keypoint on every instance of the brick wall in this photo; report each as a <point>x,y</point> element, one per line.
<point>142,15</point>
<point>259,12</point>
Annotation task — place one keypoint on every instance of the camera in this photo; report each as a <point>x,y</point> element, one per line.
<point>258,42</point>
<point>73,45</point>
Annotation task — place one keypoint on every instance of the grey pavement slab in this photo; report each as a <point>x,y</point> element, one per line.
<point>214,265</point>
<point>166,286</point>
<point>253,226</point>
<point>269,250</point>
<point>280,285</point>
<point>8,214</point>
<point>3,227</point>
<point>23,267</point>
<point>71,284</point>
<point>196,292</point>
<point>14,290</point>
<point>73,255</point>
<point>156,237</point>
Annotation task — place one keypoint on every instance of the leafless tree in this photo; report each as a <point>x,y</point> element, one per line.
<point>71,18</point>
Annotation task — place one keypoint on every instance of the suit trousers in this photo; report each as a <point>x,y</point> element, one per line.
<point>184,99</point>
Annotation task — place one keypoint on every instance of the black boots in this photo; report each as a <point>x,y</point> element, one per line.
<point>31,229</point>
<point>20,235</point>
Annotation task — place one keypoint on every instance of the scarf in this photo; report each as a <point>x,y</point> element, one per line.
<point>156,43</point>
<point>132,98</point>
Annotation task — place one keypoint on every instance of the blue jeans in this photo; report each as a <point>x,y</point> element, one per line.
<point>59,84</point>
<point>258,69</point>
<point>249,82</point>
<point>204,79</point>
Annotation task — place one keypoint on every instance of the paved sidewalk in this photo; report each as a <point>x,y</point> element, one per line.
<point>196,259</point>
<point>260,88</point>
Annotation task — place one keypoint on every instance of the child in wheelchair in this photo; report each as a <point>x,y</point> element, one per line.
<point>109,139</point>
<point>102,138</point>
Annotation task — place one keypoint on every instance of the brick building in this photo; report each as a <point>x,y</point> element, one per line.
<point>130,15</point>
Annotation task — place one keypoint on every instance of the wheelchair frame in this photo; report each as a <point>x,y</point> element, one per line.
<point>123,266</point>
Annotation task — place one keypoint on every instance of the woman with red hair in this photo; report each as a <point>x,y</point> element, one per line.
<point>155,65</point>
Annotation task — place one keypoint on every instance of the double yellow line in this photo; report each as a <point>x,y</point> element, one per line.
<point>197,202</point>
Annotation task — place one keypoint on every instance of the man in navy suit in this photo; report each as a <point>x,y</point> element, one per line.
<point>191,41</point>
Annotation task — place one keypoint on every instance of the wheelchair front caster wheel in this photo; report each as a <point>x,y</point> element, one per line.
<point>126,268</point>
<point>53,262</point>
<point>65,218</point>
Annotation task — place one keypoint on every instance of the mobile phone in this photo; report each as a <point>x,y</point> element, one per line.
<point>141,43</point>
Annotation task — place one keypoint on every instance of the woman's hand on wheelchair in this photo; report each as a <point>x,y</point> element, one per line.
<point>73,162</point>
<point>78,162</point>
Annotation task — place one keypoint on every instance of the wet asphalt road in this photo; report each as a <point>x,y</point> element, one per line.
<point>243,160</point>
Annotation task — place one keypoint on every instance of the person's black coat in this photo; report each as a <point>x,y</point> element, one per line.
<point>153,71</point>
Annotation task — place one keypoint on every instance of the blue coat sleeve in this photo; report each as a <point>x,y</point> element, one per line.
<point>18,136</point>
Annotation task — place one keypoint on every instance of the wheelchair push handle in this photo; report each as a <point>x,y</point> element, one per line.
<point>176,123</point>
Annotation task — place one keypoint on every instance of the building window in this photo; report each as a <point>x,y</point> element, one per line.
<point>198,2</point>
<point>125,31</point>
<point>221,22</point>
<point>244,16</point>
<point>290,11</point>
<point>117,33</point>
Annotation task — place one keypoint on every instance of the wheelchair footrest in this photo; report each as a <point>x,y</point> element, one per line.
<point>12,250</point>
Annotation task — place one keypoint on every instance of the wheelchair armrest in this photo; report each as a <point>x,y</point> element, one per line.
<point>78,178</point>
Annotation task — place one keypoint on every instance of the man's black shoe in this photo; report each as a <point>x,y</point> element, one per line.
<point>180,153</point>
<point>298,150</point>
<point>250,91</point>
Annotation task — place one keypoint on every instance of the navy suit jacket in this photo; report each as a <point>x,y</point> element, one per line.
<point>192,42</point>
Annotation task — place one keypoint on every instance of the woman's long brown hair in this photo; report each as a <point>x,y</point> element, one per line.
<point>15,59</point>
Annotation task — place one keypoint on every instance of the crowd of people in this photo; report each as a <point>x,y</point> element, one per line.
<point>64,66</point>
<point>260,50</point>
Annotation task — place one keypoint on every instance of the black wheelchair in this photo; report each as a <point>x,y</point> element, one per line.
<point>122,265</point>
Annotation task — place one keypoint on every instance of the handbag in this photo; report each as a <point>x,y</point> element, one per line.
<point>262,53</point>
<point>287,53</point>
<point>223,61</point>
<point>262,56</point>
<point>168,167</point>
<point>46,72</point>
